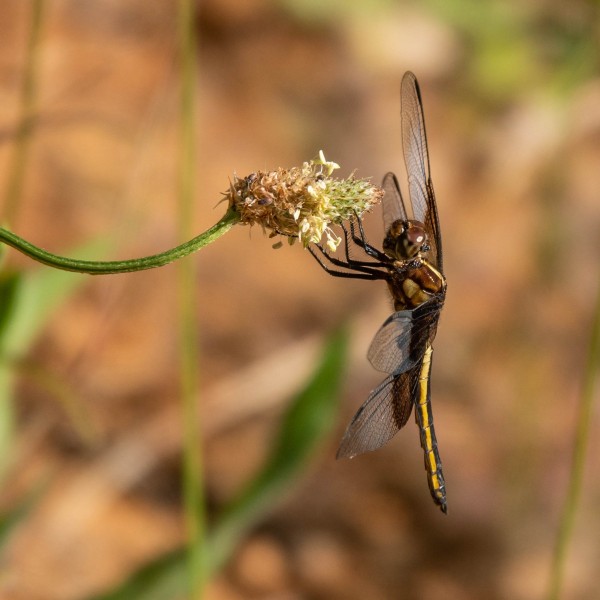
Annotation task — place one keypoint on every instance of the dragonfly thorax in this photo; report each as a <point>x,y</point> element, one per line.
<point>405,240</point>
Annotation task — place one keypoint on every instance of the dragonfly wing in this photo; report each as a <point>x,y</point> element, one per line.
<point>390,349</point>
<point>416,159</point>
<point>402,339</point>
<point>383,414</point>
<point>393,203</point>
<point>414,144</point>
<point>432,226</point>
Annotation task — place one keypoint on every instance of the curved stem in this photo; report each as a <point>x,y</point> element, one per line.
<point>120,266</point>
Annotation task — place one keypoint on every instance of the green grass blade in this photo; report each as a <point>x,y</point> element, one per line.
<point>162,579</point>
<point>38,295</point>
<point>308,420</point>
<point>12,518</point>
<point>306,423</point>
<point>27,301</point>
<point>9,289</point>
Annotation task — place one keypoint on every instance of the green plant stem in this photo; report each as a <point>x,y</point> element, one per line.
<point>15,175</point>
<point>28,97</point>
<point>193,479</point>
<point>567,519</point>
<point>120,266</point>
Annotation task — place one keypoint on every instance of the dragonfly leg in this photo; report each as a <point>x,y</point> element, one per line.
<point>351,264</point>
<point>349,259</point>
<point>362,242</point>
<point>360,272</point>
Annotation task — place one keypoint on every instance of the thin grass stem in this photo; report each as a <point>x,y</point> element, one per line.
<point>193,480</point>
<point>582,434</point>
<point>29,86</point>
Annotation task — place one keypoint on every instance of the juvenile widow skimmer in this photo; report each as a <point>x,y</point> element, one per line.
<point>411,264</point>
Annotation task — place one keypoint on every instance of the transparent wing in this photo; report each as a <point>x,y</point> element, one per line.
<point>383,414</point>
<point>414,144</point>
<point>401,341</point>
<point>432,226</point>
<point>393,203</point>
<point>390,349</point>
<point>416,159</point>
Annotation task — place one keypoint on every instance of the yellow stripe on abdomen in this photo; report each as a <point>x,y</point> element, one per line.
<point>424,416</point>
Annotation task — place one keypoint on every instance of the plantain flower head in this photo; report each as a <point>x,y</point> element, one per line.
<point>302,202</point>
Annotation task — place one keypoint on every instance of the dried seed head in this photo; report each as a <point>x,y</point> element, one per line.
<point>301,202</point>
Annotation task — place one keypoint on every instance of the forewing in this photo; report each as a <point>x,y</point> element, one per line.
<point>401,341</point>
<point>390,349</point>
<point>384,413</point>
<point>393,203</point>
<point>416,159</point>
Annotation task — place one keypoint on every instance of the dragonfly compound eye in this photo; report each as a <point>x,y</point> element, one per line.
<point>413,238</point>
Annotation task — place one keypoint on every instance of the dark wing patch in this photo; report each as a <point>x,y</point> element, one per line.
<point>383,414</point>
<point>416,159</point>
<point>390,349</point>
<point>401,341</point>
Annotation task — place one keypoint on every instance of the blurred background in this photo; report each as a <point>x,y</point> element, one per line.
<point>91,417</point>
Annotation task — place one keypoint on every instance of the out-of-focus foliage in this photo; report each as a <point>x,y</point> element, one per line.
<point>28,301</point>
<point>305,424</point>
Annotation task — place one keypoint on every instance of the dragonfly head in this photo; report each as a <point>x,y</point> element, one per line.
<point>405,240</point>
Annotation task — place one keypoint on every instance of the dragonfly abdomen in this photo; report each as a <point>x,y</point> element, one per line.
<point>424,418</point>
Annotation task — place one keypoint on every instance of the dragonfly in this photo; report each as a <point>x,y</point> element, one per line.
<point>410,262</point>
